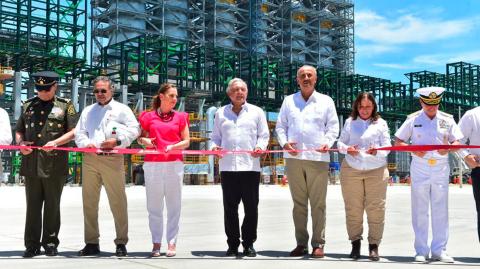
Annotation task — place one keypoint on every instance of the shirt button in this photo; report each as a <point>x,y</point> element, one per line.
<point>39,135</point>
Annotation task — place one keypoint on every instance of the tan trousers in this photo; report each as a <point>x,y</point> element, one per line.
<point>108,171</point>
<point>308,181</point>
<point>364,190</point>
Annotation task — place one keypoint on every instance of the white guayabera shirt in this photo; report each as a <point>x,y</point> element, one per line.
<point>365,134</point>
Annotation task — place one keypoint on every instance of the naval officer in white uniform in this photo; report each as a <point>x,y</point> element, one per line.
<point>430,172</point>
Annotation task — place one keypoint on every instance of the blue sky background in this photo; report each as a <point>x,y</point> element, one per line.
<point>396,37</point>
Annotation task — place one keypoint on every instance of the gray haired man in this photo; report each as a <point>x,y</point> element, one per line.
<point>106,124</point>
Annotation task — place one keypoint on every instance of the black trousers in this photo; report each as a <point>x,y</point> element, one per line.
<point>240,186</point>
<point>476,194</point>
<point>43,193</point>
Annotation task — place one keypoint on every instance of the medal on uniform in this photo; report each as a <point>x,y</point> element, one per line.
<point>58,112</point>
<point>432,162</point>
<point>443,124</point>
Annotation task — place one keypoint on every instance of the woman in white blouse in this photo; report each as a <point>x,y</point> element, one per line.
<point>364,174</point>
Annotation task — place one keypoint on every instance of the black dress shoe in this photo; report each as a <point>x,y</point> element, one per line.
<point>232,252</point>
<point>51,251</point>
<point>373,252</point>
<point>355,254</point>
<point>121,250</point>
<point>299,251</point>
<point>89,250</point>
<point>249,252</point>
<point>31,252</point>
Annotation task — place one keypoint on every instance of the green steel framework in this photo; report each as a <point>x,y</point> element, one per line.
<point>204,71</point>
<point>43,34</point>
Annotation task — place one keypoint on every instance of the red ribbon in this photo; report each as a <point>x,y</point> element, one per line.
<point>136,151</point>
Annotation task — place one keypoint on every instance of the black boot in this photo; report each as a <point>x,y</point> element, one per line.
<point>373,252</point>
<point>355,254</point>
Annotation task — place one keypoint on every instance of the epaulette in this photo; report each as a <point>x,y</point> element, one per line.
<point>414,114</point>
<point>445,114</point>
<point>30,100</point>
<point>63,100</point>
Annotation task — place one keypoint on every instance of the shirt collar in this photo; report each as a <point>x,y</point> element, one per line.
<point>312,97</point>
<point>244,106</point>
<point>108,105</point>
<point>427,117</point>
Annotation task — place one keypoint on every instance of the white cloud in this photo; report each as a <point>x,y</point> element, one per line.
<point>394,66</point>
<point>373,49</point>
<point>408,28</point>
<point>442,59</point>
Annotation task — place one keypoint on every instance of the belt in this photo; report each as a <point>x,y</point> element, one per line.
<point>105,154</point>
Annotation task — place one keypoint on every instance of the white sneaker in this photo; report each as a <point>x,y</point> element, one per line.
<point>420,258</point>
<point>443,258</point>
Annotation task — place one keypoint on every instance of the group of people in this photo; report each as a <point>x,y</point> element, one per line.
<point>50,121</point>
<point>307,128</point>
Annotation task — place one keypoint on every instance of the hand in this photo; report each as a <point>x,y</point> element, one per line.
<point>168,148</point>
<point>291,147</point>
<point>219,155</point>
<point>147,142</point>
<point>353,150</point>
<point>323,149</point>
<point>443,151</point>
<point>90,146</point>
<point>257,152</point>
<point>51,144</point>
<point>372,151</point>
<point>25,151</point>
<point>471,161</point>
<point>109,143</point>
<point>419,153</point>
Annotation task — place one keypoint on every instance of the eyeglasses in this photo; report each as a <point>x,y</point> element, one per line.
<point>100,91</point>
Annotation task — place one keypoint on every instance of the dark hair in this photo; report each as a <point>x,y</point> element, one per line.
<point>162,90</point>
<point>357,102</point>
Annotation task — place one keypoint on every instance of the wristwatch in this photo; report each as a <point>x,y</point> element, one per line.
<point>118,142</point>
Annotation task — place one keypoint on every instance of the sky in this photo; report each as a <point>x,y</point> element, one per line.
<point>395,37</point>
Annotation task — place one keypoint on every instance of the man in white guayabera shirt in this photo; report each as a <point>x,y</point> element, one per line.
<point>5,134</point>
<point>107,124</point>
<point>470,126</point>
<point>308,120</point>
<point>240,126</point>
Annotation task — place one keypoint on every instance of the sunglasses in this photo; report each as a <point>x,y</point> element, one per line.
<point>100,91</point>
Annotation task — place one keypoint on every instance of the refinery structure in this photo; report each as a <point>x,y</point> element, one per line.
<point>200,45</point>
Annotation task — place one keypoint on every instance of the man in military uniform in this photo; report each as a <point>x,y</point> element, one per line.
<point>430,173</point>
<point>49,121</point>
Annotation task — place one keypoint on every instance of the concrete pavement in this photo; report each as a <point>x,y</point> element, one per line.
<point>202,243</point>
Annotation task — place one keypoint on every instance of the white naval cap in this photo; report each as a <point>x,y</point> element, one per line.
<point>431,95</point>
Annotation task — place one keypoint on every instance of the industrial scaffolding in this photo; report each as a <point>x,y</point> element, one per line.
<point>313,32</point>
<point>43,34</point>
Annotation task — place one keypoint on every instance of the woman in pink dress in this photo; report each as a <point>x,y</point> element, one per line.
<point>166,130</point>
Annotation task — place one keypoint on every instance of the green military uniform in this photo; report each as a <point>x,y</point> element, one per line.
<point>45,172</point>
